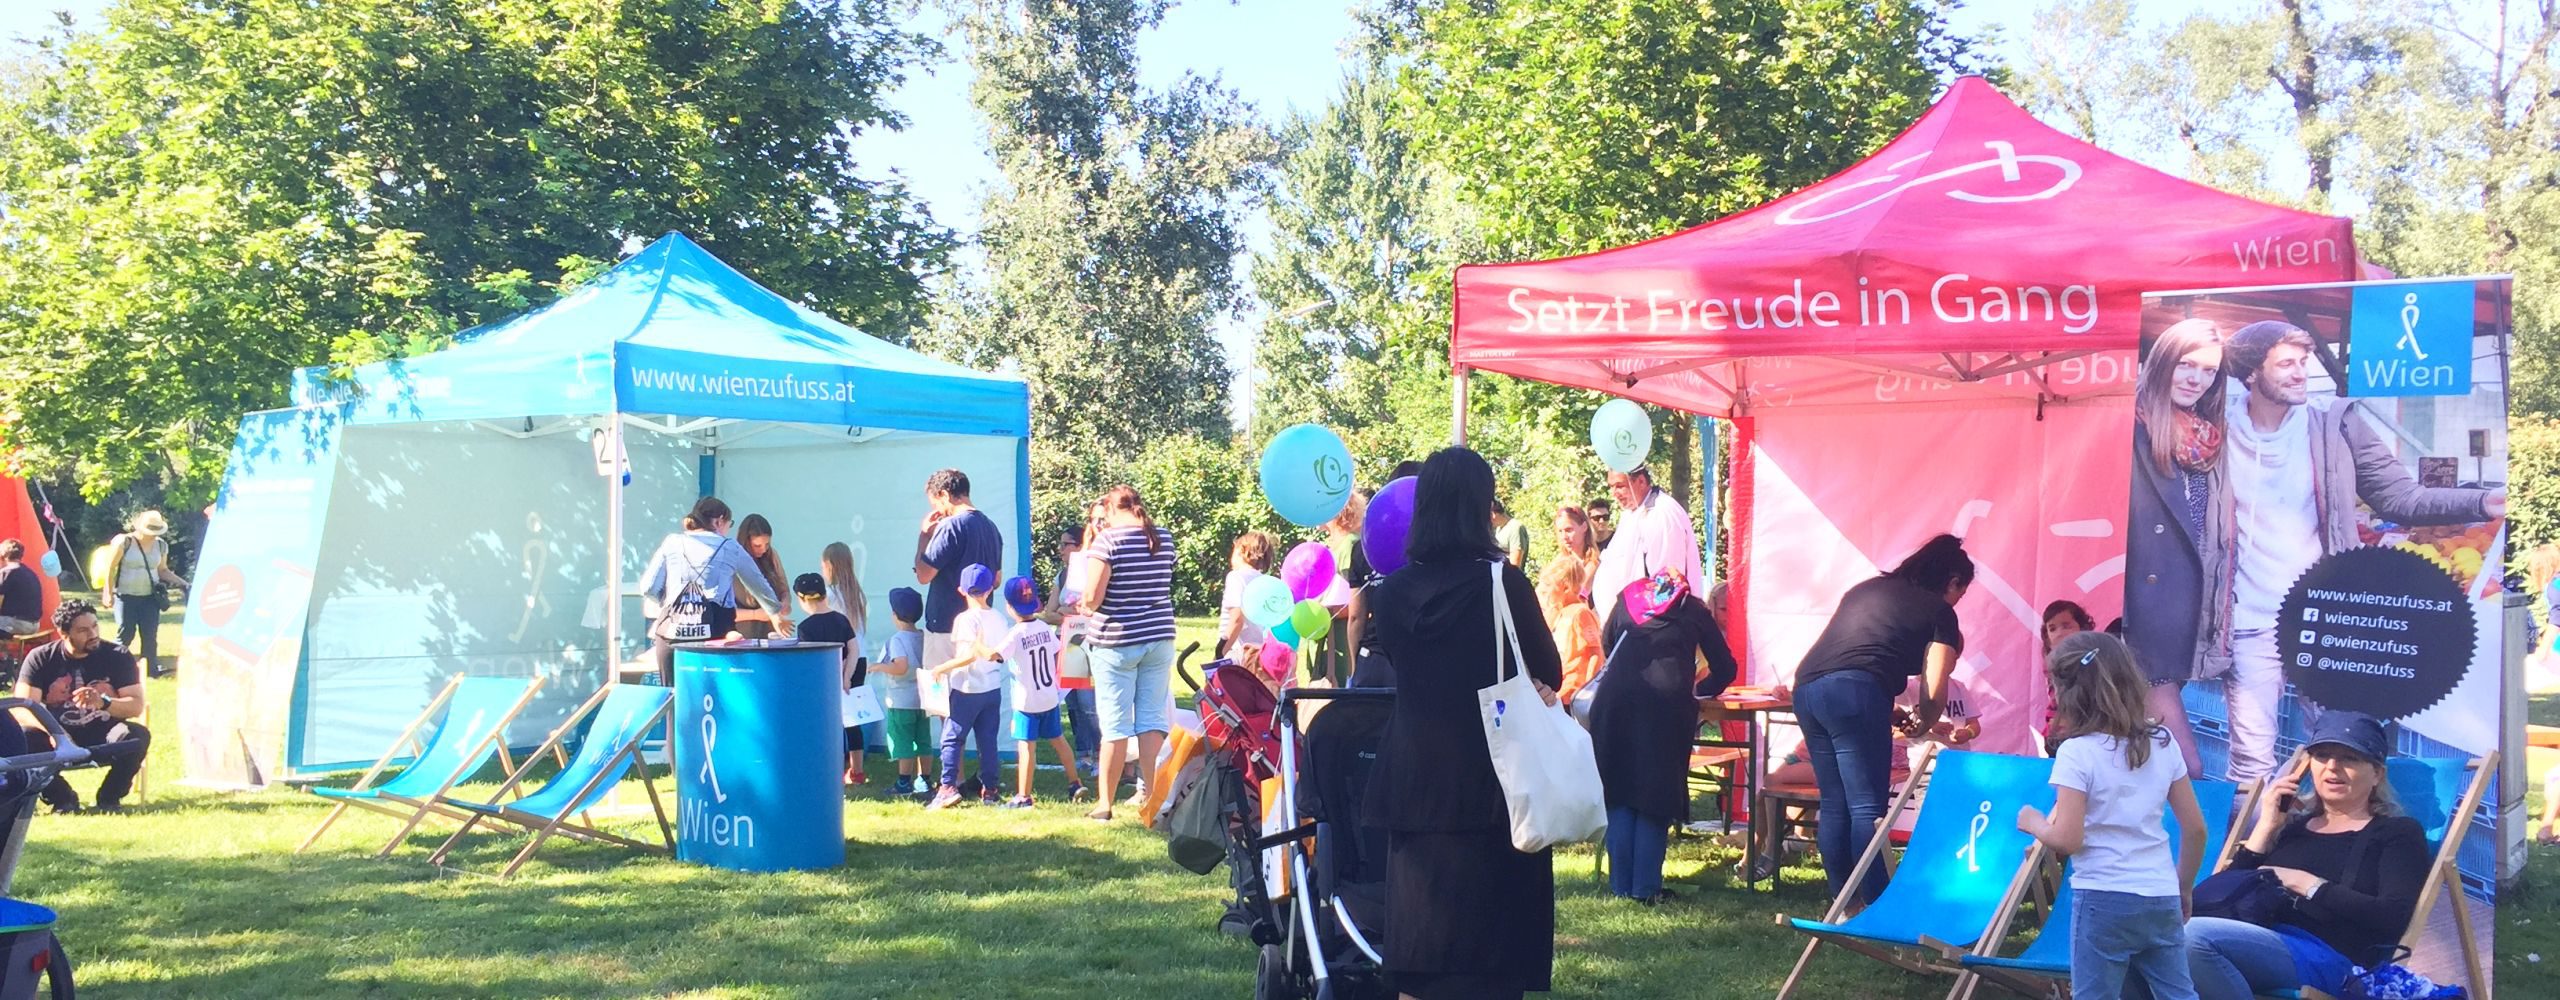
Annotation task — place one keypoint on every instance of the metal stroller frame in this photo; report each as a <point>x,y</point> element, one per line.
<point>1306,938</point>
<point>32,950</point>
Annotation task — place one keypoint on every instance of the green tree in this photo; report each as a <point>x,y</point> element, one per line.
<point>206,194</point>
<point>1110,240</point>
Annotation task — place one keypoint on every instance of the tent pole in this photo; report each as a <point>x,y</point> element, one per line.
<point>1458,406</point>
<point>612,462</point>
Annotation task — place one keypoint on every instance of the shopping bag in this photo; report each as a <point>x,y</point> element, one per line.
<point>1075,672</point>
<point>861,706</point>
<point>1550,780</point>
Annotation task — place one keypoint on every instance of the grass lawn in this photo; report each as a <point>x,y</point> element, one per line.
<point>199,894</point>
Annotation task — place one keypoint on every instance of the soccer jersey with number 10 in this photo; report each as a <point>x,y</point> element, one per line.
<point>1031,651</point>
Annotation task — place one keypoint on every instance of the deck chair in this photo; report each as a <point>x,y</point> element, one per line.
<point>2044,968</point>
<point>2442,794</point>
<point>1958,873</point>
<point>624,714</point>
<point>471,716</point>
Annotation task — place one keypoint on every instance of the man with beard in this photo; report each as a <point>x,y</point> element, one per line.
<point>2297,469</point>
<point>93,687</point>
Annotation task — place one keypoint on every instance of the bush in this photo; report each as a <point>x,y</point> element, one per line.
<point>1203,492</point>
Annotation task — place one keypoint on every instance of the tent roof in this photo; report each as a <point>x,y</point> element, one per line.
<point>1972,256</point>
<point>675,330</point>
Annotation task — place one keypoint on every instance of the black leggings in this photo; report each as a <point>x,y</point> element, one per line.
<point>722,617</point>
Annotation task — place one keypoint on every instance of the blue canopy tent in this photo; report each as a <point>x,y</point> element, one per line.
<point>462,511</point>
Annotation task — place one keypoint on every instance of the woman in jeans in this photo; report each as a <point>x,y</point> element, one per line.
<point>1886,630</point>
<point>1132,646</point>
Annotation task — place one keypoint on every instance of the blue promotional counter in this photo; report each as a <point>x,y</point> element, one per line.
<point>759,752</point>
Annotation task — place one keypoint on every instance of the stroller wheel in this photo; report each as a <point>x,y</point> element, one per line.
<point>1271,978</point>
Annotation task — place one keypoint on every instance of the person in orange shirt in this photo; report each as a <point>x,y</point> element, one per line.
<point>1575,625</point>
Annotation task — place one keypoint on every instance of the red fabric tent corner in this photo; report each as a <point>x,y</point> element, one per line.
<point>1965,258</point>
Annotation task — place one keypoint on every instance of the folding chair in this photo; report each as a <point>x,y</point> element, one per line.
<point>474,713</point>
<point>624,714</point>
<point>2044,968</point>
<point>1960,871</point>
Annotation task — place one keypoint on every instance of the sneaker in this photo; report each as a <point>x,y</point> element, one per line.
<point>904,786</point>
<point>944,799</point>
<point>107,807</point>
<point>1018,802</point>
<point>62,809</point>
<point>1077,792</point>
<point>989,800</point>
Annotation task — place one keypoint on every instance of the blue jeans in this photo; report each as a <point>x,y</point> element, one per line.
<point>1087,730</point>
<point>972,714</point>
<point>2118,937</point>
<point>1847,716</point>
<point>1636,843</point>
<point>2231,960</point>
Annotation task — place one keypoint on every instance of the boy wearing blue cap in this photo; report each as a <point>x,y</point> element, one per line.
<point>976,681</point>
<point>1031,651</point>
<point>910,731</point>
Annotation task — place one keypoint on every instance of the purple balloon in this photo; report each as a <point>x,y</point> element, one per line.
<point>1390,519</point>
<point>1308,570</point>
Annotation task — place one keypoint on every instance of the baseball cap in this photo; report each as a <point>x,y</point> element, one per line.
<point>905,604</point>
<point>977,579</point>
<point>2354,731</point>
<point>1022,595</point>
<point>809,585</point>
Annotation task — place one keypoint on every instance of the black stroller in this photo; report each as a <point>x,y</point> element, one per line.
<point>27,943</point>
<point>1328,927</point>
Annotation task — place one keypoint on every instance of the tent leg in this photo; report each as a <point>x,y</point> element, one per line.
<point>1458,406</point>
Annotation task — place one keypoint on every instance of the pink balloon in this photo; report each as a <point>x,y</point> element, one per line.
<point>1279,660</point>
<point>1308,570</point>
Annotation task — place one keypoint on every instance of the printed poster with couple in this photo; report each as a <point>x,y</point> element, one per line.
<point>2317,517</point>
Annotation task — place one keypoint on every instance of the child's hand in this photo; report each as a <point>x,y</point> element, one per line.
<point>2031,821</point>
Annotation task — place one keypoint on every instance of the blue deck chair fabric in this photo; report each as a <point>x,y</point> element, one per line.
<point>2050,953</point>
<point>472,715</point>
<point>624,716</point>
<point>1964,850</point>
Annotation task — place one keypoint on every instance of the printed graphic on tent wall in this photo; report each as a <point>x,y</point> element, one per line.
<point>2316,526</point>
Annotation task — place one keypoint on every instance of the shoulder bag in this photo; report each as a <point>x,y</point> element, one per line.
<point>1550,780</point>
<point>688,617</point>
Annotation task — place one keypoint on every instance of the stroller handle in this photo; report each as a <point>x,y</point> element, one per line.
<point>64,752</point>
<point>1294,694</point>
<point>1182,667</point>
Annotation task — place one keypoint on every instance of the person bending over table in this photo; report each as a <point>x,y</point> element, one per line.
<point>93,687</point>
<point>1886,630</point>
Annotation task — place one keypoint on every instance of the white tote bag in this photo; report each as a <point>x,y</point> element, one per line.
<point>1543,758</point>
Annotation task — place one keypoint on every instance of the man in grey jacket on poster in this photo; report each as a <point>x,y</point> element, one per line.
<point>2297,468</point>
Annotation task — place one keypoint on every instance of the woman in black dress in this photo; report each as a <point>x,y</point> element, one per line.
<point>1645,718</point>
<point>1467,916</point>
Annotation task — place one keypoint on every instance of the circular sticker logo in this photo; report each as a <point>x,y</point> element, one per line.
<point>2380,631</point>
<point>219,600</point>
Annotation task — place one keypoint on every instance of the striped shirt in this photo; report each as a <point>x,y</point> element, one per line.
<point>1137,602</point>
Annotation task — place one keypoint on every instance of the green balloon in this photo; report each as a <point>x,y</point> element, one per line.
<point>1311,621</point>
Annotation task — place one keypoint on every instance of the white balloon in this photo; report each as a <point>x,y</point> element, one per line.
<point>1622,433</point>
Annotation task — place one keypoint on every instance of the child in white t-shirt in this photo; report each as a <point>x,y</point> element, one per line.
<point>977,688</point>
<point>1249,559</point>
<point>1031,651</point>
<point>2112,773</point>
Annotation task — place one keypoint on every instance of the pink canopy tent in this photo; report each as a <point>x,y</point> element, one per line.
<point>1939,338</point>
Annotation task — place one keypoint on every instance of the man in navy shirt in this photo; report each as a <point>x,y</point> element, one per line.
<point>954,535</point>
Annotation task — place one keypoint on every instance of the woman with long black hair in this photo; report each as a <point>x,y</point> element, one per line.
<point>1467,915</point>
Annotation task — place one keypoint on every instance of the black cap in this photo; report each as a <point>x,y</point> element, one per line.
<point>2354,731</point>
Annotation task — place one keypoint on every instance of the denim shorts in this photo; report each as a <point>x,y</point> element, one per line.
<point>1131,687</point>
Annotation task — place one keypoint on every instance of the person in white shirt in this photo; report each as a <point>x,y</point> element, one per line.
<point>1652,536</point>
<point>1031,651</point>
<point>2115,770</point>
<point>2297,469</point>
<point>1249,559</point>
<point>976,683</point>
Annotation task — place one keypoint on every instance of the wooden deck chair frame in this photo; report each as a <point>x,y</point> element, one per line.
<point>2244,803</point>
<point>584,828</point>
<point>1875,855</point>
<point>418,809</point>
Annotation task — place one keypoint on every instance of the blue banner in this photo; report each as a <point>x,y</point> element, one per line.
<point>660,380</point>
<point>2408,339</point>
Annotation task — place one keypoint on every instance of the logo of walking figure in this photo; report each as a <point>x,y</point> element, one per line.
<point>1971,852</point>
<point>2409,328</point>
<point>2005,159</point>
<point>711,742</point>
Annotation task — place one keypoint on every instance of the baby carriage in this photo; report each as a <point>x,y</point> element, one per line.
<point>1328,926</point>
<point>27,943</point>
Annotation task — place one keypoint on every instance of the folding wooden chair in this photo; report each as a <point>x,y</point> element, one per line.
<point>474,713</point>
<point>2044,968</point>
<point>624,715</point>
<point>1962,868</point>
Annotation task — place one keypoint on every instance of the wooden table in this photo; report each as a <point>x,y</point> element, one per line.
<point>1754,709</point>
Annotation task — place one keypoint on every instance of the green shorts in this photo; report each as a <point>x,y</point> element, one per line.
<point>910,733</point>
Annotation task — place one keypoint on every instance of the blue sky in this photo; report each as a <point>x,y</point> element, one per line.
<point>1280,55</point>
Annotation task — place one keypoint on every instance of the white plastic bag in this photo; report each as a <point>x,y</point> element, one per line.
<point>1550,780</point>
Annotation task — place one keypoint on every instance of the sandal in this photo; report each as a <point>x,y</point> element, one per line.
<point>1102,815</point>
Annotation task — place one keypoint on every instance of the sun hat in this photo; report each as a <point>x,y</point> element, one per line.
<point>150,524</point>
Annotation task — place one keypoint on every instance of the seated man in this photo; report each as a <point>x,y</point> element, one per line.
<point>21,593</point>
<point>94,688</point>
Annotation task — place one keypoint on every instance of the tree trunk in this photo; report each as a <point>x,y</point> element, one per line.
<point>1684,457</point>
<point>2300,79</point>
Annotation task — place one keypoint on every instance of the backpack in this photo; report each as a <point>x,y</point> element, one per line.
<point>688,617</point>
<point>102,564</point>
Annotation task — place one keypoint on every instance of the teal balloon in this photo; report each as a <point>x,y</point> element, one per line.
<point>1622,434</point>
<point>1267,602</point>
<point>1284,635</point>
<point>1311,621</point>
<point>1306,474</point>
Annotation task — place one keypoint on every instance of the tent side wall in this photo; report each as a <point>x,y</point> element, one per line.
<point>245,617</point>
